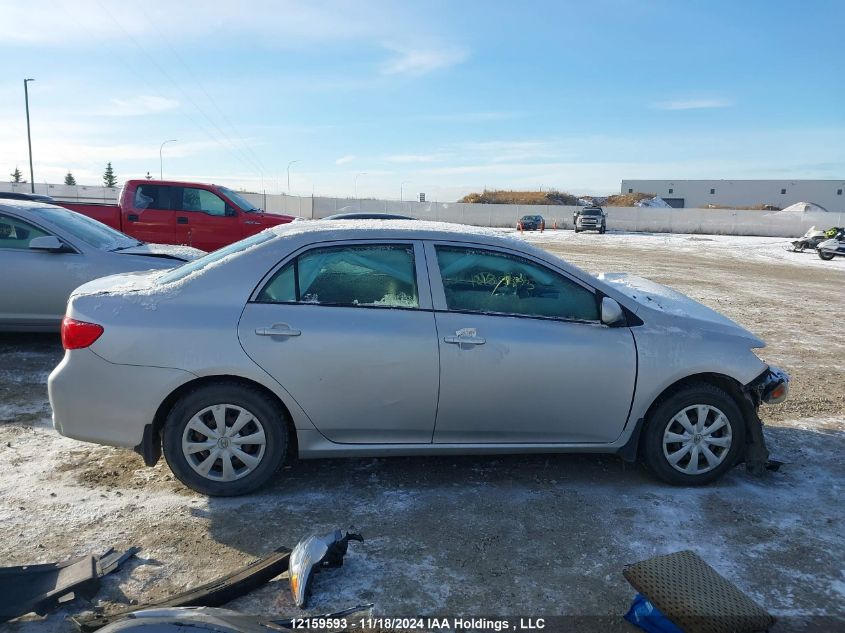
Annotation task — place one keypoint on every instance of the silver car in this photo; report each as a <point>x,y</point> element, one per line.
<point>357,338</point>
<point>46,251</point>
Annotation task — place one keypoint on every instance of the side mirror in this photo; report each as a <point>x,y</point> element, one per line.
<point>611,312</point>
<point>49,243</point>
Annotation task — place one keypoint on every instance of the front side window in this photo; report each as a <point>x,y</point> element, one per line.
<point>203,201</point>
<point>360,275</point>
<point>17,234</point>
<point>477,280</point>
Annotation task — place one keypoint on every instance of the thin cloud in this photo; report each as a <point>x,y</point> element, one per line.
<point>343,160</point>
<point>472,117</point>
<point>411,158</point>
<point>693,104</point>
<point>140,106</point>
<point>420,61</point>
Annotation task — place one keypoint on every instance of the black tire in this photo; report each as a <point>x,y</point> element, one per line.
<point>577,230</point>
<point>825,256</point>
<point>603,229</point>
<point>661,420</point>
<point>267,417</point>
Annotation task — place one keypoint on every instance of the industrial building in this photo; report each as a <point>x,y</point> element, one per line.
<point>829,194</point>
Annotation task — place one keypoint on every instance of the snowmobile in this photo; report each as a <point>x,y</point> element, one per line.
<point>811,239</point>
<point>834,247</point>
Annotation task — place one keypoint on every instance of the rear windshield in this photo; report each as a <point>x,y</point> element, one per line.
<point>198,264</point>
<point>84,228</point>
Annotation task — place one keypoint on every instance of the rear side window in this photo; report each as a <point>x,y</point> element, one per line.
<point>358,275</point>
<point>154,197</point>
<point>477,280</point>
<point>17,234</point>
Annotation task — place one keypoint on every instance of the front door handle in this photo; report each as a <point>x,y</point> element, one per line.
<point>132,217</point>
<point>465,336</point>
<point>278,329</point>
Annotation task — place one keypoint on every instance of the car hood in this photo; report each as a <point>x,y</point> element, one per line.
<point>675,305</point>
<point>170,251</point>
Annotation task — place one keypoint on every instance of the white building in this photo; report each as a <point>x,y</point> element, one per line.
<point>829,194</point>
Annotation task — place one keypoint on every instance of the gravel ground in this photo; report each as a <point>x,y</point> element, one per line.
<point>478,536</point>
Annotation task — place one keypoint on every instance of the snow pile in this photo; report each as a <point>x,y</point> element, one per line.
<point>655,202</point>
<point>802,207</point>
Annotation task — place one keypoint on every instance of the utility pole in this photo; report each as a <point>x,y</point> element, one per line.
<point>28,134</point>
<point>289,164</point>
<point>402,190</point>
<point>161,160</point>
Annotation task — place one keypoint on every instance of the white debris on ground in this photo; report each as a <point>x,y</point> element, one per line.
<point>655,202</point>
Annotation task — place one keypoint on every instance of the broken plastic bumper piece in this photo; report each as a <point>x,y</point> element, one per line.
<point>42,588</point>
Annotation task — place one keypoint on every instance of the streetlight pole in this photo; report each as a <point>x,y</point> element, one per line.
<point>160,159</point>
<point>402,190</point>
<point>28,134</point>
<point>289,164</point>
<point>363,173</point>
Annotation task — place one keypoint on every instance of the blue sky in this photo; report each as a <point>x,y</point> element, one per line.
<point>446,97</point>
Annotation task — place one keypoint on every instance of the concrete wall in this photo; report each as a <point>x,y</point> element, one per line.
<point>712,221</point>
<point>830,194</point>
<point>637,219</point>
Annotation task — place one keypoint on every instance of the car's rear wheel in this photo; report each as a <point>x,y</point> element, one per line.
<point>694,436</point>
<point>225,439</point>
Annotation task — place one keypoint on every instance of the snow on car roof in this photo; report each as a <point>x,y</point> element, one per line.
<point>407,229</point>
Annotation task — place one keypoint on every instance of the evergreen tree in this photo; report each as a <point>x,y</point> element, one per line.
<point>17,176</point>
<point>109,179</point>
<point>69,179</point>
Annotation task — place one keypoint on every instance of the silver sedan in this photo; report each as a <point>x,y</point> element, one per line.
<point>46,251</point>
<point>366,338</point>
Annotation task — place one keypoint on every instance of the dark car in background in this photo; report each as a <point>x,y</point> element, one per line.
<point>19,195</point>
<point>590,219</point>
<point>531,223</point>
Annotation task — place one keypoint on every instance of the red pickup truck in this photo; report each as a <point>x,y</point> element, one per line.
<point>167,212</point>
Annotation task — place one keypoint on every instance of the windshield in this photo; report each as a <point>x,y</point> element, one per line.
<point>198,264</point>
<point>239,200</point>
<point>84,228</point>
<point>591,212</point>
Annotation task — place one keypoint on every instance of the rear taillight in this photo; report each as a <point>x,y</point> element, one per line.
<point>79,334</point>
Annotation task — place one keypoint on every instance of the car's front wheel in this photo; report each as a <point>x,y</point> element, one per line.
<point>694,436</point>
<point>225,439</point>
<point>825,256</point>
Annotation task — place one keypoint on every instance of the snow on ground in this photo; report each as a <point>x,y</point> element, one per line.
<point>739,247</point>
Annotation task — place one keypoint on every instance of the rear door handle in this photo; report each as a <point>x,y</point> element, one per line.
<point>132,217</point>
<point>465,336</point>
<point>181,220</point>
<point>279,329</point>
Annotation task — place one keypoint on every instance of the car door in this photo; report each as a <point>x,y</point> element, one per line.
<point>523,355</point>
<point>204,220</point>
<point>36,283</point>
<point>151,217</point>
<point>347,329</point>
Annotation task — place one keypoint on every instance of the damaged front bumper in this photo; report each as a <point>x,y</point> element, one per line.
<point>770,387</point>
